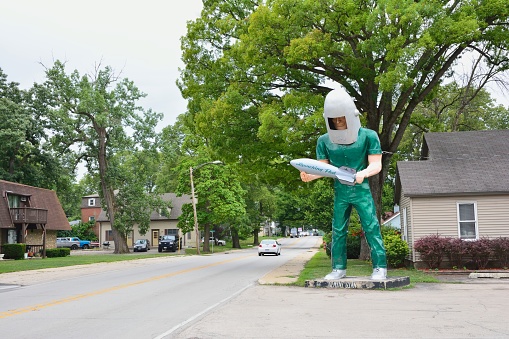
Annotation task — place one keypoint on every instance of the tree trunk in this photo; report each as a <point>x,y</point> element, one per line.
<point>235,238</point>
<point>206,237</point>
<point>108,194</point>
<point>365,250</point>
<point>256,241</point>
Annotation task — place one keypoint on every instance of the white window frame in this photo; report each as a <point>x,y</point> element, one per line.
<point>91,202</point>
<point>91,218</point>
<point>475,221</point>
<point>405,226</point>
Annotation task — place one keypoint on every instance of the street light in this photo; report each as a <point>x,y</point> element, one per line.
<point>217,162</point>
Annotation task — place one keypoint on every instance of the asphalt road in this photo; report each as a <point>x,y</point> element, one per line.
<point>151,298</point>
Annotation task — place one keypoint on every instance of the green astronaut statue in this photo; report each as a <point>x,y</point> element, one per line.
<point>347,144</point>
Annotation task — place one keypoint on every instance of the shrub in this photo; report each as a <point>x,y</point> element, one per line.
<point>353,246</point>
<point>14,251</point>
<point>396,250</point>
<point>431,249</point>
<point>480,250</point>
<point>58,252</point>
<point>456,250</point>
<point>500,248</point>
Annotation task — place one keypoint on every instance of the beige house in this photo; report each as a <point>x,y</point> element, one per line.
<point>30,215</point>
<point>459,188</point>
<point>161,222</point>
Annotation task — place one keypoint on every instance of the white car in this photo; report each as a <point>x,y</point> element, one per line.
<point>269,246</point>
<point>216,241</point>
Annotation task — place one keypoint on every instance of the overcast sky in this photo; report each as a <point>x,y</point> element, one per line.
<point>140,39</point>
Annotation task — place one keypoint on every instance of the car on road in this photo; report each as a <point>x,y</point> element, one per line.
<point>141,245</point>
<point>269,246</point>
<point>168,243</point>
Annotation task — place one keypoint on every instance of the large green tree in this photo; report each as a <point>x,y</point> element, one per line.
<point>25,154</point>
<point>95,118</point>
<point>256,71</point>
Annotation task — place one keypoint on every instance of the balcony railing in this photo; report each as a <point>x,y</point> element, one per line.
<point>29,215</point>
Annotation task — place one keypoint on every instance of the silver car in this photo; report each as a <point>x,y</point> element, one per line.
<point>269,246</point>
<point>141,245</point>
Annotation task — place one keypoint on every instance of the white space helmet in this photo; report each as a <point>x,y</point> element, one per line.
<point>339,104</point>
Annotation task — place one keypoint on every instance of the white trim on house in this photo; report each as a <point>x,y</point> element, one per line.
<point>463,235</point>
<point>404,226</point>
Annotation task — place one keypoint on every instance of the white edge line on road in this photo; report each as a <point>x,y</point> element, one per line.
<point>173,329</point>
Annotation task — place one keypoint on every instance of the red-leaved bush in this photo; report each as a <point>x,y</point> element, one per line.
<point>431,249</point>
<point>500,248</point>
<point>456,250</point>
<point>480,250</point>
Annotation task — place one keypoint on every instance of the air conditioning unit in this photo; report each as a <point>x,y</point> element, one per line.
<point>23,199</point>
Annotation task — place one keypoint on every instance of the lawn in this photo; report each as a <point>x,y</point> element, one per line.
<point>35,264</point>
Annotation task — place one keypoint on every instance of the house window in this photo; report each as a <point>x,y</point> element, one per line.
<point>91,218</point>
<point>108,235</point>
<point>91,202</point>
<point>171,231</point>
<point>13,201</point>
<point>467,220</point>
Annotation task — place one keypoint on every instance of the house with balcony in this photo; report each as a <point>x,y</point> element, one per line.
<point>30,215</point>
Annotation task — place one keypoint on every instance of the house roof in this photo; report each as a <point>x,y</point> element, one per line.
<point>389,216</point>
<point>176,207</point>
<point>457,163</point>
<point>39,198</point>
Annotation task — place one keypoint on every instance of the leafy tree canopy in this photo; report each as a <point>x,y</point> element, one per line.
<point>256,72</point>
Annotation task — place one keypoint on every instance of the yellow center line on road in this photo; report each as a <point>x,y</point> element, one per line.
<point>110,289</point>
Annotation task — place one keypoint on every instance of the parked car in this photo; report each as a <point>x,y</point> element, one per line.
<point>74,243</point>
<point>294,235</point>
<point>215,241</point>
<point>168,243</point>
<point>141,245</point>
<point>269,246</point>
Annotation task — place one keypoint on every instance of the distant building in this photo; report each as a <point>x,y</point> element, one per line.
<point>161,222</point>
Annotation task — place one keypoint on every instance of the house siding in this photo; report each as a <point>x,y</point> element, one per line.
<point>155,225</point>
<point>438,215</point>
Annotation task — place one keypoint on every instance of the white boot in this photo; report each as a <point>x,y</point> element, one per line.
<point>335,274</point>
<point>379,274</point>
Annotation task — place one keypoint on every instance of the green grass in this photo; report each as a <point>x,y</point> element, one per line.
<point>36,264</point>
<point>320,265</point>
